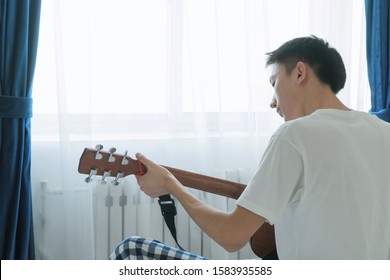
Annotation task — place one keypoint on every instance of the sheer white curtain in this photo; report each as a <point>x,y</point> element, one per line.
<point>182,81</point>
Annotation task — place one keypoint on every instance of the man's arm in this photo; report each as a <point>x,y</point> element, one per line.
<point>232,230</point>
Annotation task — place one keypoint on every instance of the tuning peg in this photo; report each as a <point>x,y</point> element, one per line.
<point>91,173</point>
<point>124,160</point>
<point>105,175</point>
<point>115,182</point>
<point>111,157</point>
<point>98,155</point>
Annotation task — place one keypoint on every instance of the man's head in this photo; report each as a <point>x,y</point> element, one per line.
<point>324,60</point>
<point>302,69</point>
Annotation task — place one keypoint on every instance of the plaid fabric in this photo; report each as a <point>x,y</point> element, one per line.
<point>139,248</point>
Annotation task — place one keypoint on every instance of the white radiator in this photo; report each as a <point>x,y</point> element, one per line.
<point>121,211</point>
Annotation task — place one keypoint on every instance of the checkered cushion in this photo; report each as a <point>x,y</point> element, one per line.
<point>139,248</point>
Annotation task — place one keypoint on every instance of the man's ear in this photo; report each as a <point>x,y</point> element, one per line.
<point>301,71</point>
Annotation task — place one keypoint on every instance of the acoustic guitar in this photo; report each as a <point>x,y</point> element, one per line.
<point>96,162</point>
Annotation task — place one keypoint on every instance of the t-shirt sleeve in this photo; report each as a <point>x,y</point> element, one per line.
<point>277,182</point>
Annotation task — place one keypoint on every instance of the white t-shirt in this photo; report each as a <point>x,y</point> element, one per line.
<point>324,182</point>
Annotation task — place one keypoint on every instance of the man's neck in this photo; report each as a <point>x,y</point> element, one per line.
<point>324,99</point>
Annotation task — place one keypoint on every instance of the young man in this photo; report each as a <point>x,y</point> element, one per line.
<point>324,180</point>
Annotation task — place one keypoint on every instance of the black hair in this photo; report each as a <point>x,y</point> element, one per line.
<point>325,61</point>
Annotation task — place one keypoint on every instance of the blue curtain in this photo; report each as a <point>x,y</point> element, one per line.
<point>378,56</point>
<point>19,27</point>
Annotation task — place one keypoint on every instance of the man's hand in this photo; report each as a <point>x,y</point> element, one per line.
<point>157,181</point>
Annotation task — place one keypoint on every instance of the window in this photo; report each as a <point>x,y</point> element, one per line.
<point>170,66</point>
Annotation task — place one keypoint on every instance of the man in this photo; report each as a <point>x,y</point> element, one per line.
<point>324,180</point>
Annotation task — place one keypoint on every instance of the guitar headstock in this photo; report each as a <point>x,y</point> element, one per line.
<point>108,164</point>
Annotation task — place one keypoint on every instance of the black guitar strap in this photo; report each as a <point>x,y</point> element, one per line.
<point>168,210</point>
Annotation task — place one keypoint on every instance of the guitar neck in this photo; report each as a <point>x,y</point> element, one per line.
<point>207,183</point>
<point>101,162</point>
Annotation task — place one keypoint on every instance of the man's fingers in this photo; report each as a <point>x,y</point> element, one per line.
<point>143,158</point>
<point>139,156</point>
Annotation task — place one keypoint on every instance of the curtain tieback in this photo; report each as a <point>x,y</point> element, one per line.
<point>15,107</point>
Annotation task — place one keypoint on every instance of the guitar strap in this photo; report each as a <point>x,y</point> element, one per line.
<point>168,210</point>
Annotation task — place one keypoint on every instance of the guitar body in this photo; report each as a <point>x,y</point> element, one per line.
<point>108,164</point>
<point>263,243</point>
